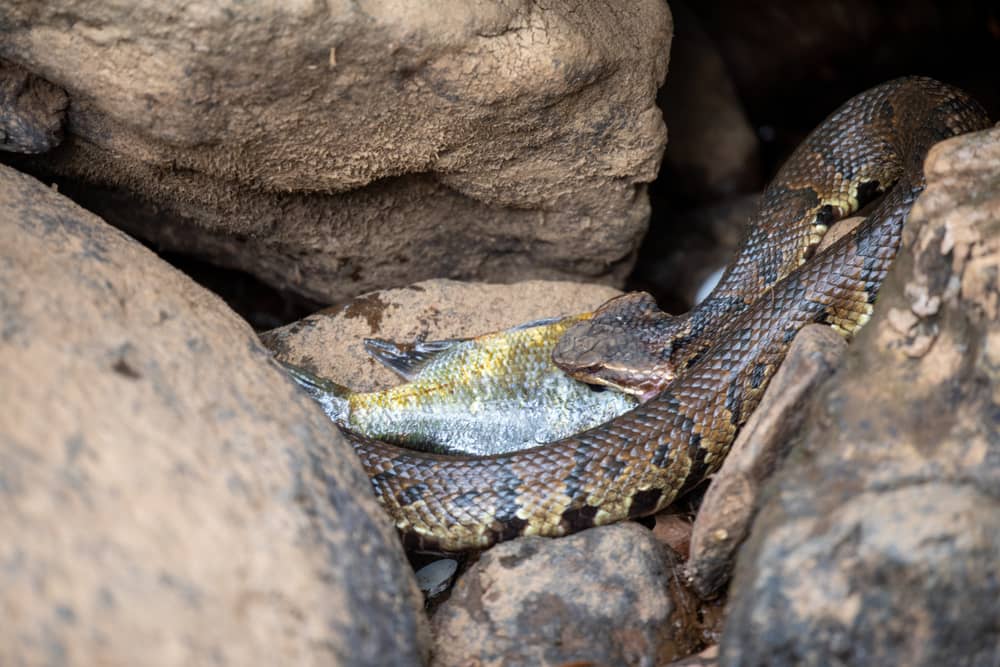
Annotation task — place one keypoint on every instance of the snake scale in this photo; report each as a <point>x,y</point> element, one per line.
<point>722,354</point>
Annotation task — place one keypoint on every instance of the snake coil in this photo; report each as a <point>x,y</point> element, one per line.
<point>723,353</point>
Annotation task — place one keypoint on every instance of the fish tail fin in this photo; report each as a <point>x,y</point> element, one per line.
<point>409,360</point>
<point>331,396</point>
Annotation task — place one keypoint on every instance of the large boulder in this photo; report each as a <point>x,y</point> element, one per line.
<point>879,541</point>
<point>605,596</point>
<point>339,147</point>
<point>169,496</point>
<point>726,512</point>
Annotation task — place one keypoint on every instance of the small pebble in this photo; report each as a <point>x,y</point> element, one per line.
<point>434,578</point>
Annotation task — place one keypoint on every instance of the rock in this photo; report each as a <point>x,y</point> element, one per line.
<point>707,658</point>
<point>674,530</point>
<point>435,577</point>
<point>796,61</point>
<point>170,497</point>
<point>32,111</point>
<point>880,540</point>
<point>713,151</point>
<point>840,228</point>
<point>723,520</point>
<point>606,595</point>
<point>330,342</point>
<point>680,255</point>
<point>341,147</point>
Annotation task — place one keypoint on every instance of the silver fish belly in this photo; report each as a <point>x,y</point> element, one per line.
<point>491,394</point>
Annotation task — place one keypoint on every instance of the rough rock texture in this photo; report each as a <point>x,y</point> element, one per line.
<point>330,342</point>
<point>339,147</point>
<point>674,530</point>
<point>707,658</point>
<point>32,111</point>
<point>607,596</point>
<point>169,496</point>
<point>724,518</point>
<point>879,543</point>
<point>713,151</point>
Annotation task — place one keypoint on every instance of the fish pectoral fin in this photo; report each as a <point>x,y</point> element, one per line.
<point>332,397</point>
<point>409,360</point>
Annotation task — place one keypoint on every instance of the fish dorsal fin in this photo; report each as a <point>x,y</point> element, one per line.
<point>545,321</point>
<point>409,360</point>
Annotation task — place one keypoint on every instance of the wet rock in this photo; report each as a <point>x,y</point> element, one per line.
<point>606,596</point>
<point>880,540</point>
<point>32,111</point>
<point>170,497</point>
<point>723,520</point>
<point>713,151</point>
<point>331,342</point>
<point>337,148</point>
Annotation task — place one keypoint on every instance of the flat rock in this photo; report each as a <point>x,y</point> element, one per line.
<point>879,541</point>
<point>341,147</point>
<point>724,517</point>
<point>606,596</point>
<point>170,497</point>
<point>330,342</point>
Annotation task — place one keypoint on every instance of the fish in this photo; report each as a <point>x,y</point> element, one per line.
<point>490,394</point>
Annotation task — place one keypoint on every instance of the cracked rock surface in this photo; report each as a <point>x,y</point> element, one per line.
<point>336,148</point>
<point>169,496</point>
<point>879,541</point>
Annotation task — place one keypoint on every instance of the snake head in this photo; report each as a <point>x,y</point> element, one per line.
<point>625,345</point>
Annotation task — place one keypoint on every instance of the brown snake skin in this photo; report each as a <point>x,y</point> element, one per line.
<point>638,463</point>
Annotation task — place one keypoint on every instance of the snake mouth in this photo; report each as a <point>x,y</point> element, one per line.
<point>643,385</point>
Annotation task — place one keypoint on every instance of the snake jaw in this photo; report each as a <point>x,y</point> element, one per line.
<point>626,379</point>
<point>605,350</point>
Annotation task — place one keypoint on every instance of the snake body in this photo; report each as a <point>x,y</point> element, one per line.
<point>723,357</point>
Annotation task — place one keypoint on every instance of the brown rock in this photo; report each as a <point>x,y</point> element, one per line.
<point>880,541</point>
<point>840,228</point>
<point>707,658</point>
<point>724,518</point>
<point>169,496</point>
<point>679,256</point>
<point>601,596</point>
<point>32,111</point>
<point>337,148</point>
<point>331,342</point>
<point>674,530</point>
<point>713,150</point>
<point>782,55</point>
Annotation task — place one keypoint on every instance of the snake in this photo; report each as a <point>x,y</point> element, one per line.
<point>706,371</point>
